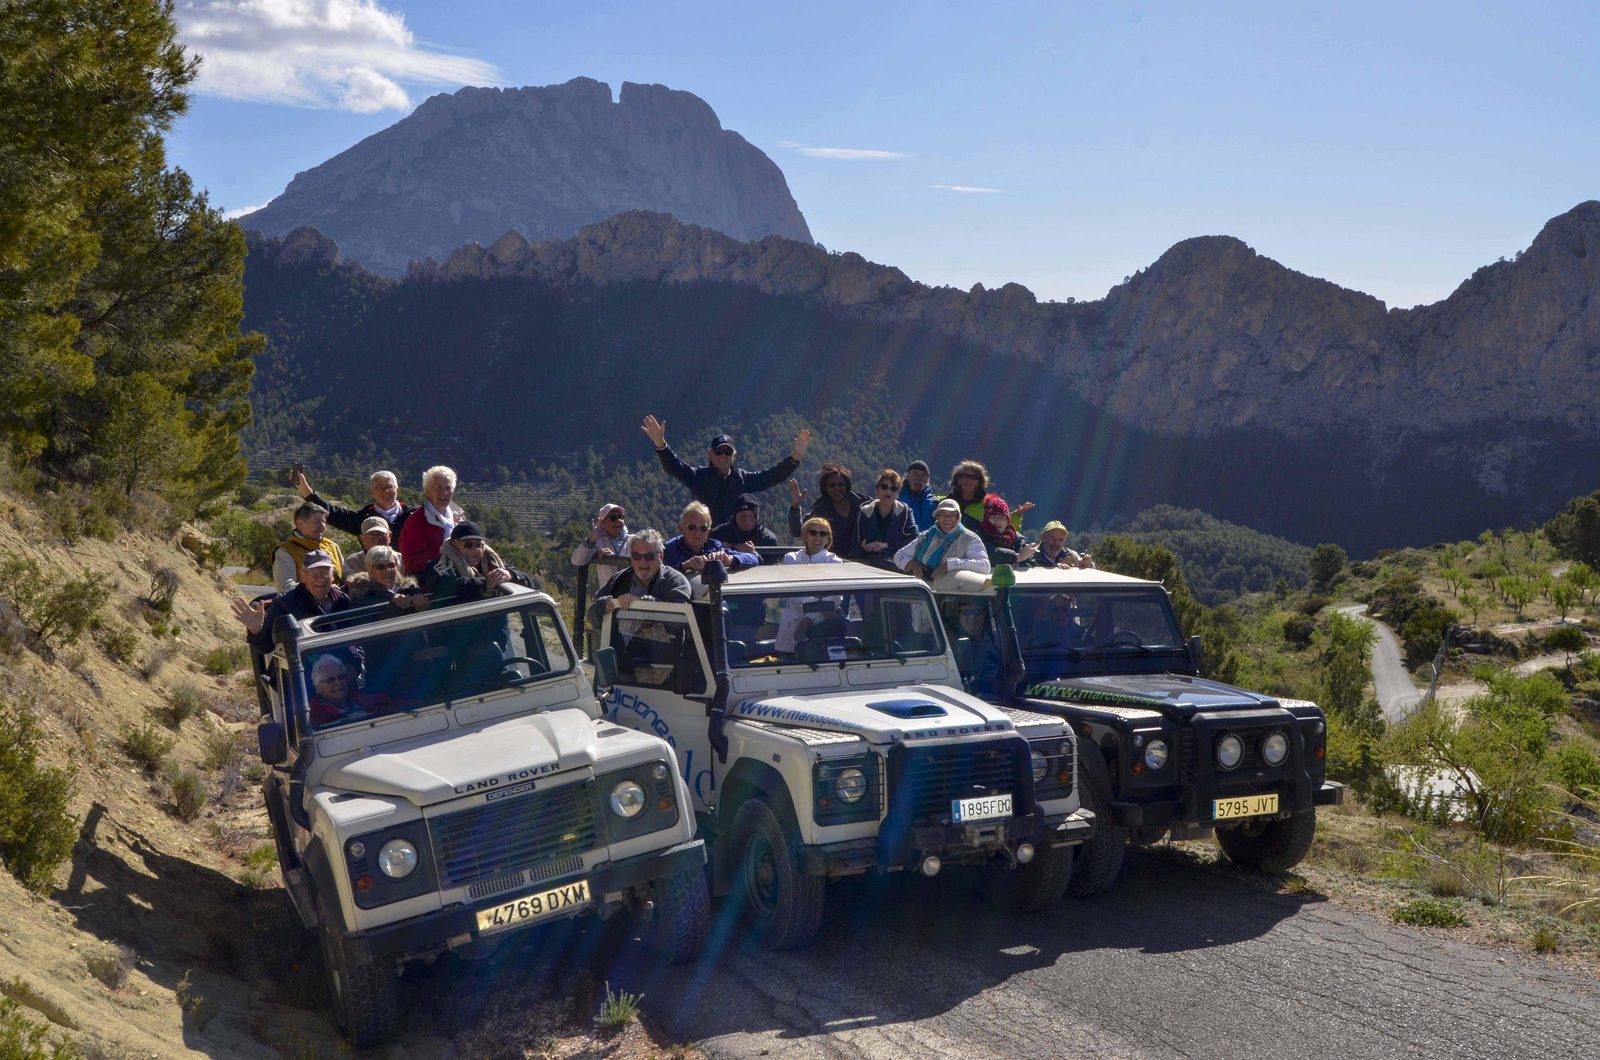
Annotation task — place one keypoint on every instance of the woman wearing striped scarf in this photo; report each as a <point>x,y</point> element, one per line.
<point>946,546</point>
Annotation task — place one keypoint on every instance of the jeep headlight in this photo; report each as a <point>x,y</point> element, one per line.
<point>1041,764</point>
<point>1155,754</point>
<point>1230,751</point>
<point>1274,749</point>
<point>627,800</point>
<point>398,859</point>
<point>851,784</point>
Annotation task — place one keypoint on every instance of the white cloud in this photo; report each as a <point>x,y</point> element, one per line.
<point>968,189</point>
<point>230,215</point>
<point>848,154</point>
<point>346,54</point>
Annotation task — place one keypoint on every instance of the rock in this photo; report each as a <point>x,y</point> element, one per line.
<point>544,162</point>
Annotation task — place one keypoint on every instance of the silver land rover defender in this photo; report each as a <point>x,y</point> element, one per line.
<point>441,778</point>
<point>818,718</point>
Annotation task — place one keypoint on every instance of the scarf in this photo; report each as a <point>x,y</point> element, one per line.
<point>445,521</point>
<point>934,543</point>
<point>451,562</point>
<point>391,513</point>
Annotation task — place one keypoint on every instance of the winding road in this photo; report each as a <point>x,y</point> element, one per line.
<point>1179,961</point>
<point>1397,693</point>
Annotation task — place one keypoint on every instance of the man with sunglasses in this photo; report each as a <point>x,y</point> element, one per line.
<point>694,546</point>
<point>718,484</point>
<point>646,578</point>
<point>468,568</point>
<point>608,537</point>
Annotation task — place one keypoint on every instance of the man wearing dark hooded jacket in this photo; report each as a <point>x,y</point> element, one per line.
<point>746,527</point>
<point>718,484</point>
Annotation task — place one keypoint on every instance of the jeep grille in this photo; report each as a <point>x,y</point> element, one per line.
<point>935,775</point>
<point>503,838</point>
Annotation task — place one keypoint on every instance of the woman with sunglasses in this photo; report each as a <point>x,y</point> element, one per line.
<point>839,504</point>
<point>381,582</point>
<point>607,537</point>
<point>884,526</point>
<point>969,485</point>
<point>815,538</point>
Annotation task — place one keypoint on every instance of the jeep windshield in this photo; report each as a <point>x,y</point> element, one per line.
<point>397,672</point>
<point>1066,633</point>
<point>819,628</point>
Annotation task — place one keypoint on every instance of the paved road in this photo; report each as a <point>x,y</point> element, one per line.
<point>1397,693</point>
<point>1180,961</point>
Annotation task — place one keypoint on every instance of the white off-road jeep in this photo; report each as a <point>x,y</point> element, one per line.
<point>818,718</point>
<point>443,777</point>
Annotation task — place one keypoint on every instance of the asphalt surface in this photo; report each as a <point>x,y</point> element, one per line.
<point>1180,960</point>
<point>1397,693</point>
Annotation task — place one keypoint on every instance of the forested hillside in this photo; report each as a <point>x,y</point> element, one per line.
<point>1221,560</point>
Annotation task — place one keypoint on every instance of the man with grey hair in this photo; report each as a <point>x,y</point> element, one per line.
<point>646,578</point>
<point>385,502</point>
<point>310,534</point>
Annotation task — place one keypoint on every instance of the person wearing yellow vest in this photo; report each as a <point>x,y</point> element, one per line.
<point>288,559</point>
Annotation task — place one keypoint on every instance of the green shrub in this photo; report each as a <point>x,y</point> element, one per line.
<point>23,1039</point>
<point>146,745</point>
<point>119,641</point>
<point>1298,631</point>
<point>188,792</point>
<point>249,540</point>
<point>183,702</point>
<point>58,612</point>
<point>163,591</point>
<point>1544,939</point>
<point>225,659</point>
<point>199,1009</point>
<point>1576,769</point>
<point>220,748</point>
<point>1429,912</point>
<point>36,832</point>
<point>617,1009</point>
<point>260,866</point>
<point>1424,630</point>
<point>1313,605</point>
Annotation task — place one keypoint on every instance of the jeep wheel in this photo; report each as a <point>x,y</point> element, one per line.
<point>1029,888</point>
<point>780,902</point>
<point>366,1003</point>
<point>1271,846</point>
<point>1099,856</point>
<point>682,918</point>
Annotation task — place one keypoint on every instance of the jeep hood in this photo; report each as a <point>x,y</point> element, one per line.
<point>881,715</point>
<point>446,765</point>
<point>1173,695</point>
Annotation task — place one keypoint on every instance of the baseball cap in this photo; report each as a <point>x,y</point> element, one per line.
<point>375,522</point>
<point>605,510</point>
<point>747,503</point>
<point>316,558</point>
<point>720,439</point>
<point>1054,524</point>
<point>466,529</point>
<point>949,504</point>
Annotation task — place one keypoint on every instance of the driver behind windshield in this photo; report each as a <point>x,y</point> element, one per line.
<point>1058,624</point>
<point>335,700</point>
<point>977,652</point>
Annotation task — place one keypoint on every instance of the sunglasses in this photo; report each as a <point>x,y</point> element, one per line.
<point>383,566</point>
<point>884,487</point>
<point>969,474</point>
<point>695,526</point>
<point>616,517</point>
<point>839,483</point>
<point>818,533</point>
<point>971,612</point>
<point>472,542</point>
<point>644,557</point>
<point>724,450</point>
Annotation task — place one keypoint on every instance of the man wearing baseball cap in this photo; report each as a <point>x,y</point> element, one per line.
<point>314,594</point>
<point>718,484</point>
<point>374,532</point>
<point>468,568</point>
<point>916,494</point>
<point>1053,550</point>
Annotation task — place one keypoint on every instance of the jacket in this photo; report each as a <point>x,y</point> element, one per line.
<point>291,552</point>
<point>677,552</point>
<point>844,526</point>
<point>721,492</point>
<point>670,587</point>
<point>297,603</point>
<point>730,533</point>
<point>921,505</point>
<point>350,519</point>
<point>420,541</point>
<point>452,576</point>
<point>966,553</point>
<point>898,529</point>
<point>585,552</point>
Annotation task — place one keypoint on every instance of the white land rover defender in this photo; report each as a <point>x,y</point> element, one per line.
<point>819,721</point>
<point>439,778</point>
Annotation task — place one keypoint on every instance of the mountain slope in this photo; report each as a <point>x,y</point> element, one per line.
<point>543,161</point>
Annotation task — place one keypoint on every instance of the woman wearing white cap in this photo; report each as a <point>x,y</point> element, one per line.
<point>946,546</point>
<point>608,537</point>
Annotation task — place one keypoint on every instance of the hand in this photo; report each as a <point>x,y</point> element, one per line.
<point>602,553</point>
<point>496,578</point>
<point>874,546</point>
<point>725,558</point>
<point>694,564</point>
<point>802,442</point>
<point>298,481</point>
<point>916,570</point>
<point>1026,552</point>
<point>1023,508</point>
<point>251,613</point>
<point>657,430</point>
<point>796,494</point>
<point>943,568</point>
<point>623,602</point>
<point>1086,561</point>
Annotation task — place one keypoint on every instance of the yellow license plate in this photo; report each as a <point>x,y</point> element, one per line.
<point>1248,806</point>
<point>532,907</point>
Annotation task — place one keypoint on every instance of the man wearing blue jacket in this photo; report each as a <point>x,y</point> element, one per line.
<point>718,484</point>
<point>917,495</point>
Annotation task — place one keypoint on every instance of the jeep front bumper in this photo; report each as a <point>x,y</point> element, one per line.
<point>458,924</point>
<point>953,844</point>
<point>1194,810</point>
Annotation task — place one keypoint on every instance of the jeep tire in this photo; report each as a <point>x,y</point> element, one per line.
<point>779,901</point>
<point>1100,856</point>
<point>677,929</point>
<point>1031,887</point>
<point>365,994</point>
<point>1271,846</point>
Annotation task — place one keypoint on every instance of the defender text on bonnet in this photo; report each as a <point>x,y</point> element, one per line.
<point>442,778</point>
<point>818,719</point>
<point>1177,753</point>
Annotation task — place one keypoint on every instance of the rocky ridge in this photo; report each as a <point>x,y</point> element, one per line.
<point>1211,336</point>
<point>542,160</point>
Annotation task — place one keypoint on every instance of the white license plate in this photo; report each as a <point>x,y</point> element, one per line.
<point>532,907</point>
<point>1247,806</point>
<point>986,808</point>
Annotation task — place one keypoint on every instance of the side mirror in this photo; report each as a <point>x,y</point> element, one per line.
<point>274,743</point>
<point>1194,653</point>
<point>605,668</point>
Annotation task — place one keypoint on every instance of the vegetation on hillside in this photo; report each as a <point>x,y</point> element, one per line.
<point>1221,560</point>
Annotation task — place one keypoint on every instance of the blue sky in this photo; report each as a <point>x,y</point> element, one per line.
<point>1391,148</point>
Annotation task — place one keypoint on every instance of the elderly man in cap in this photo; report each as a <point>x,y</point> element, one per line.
<point>608,537</point>
<point>314,594</point>
<point>374,532</point>
<point>1053,550</point>
<point>745,530</point>
<point>916,494</point>
<point>385,503</point>
<point>468,568</point>
<point>718,483</point>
